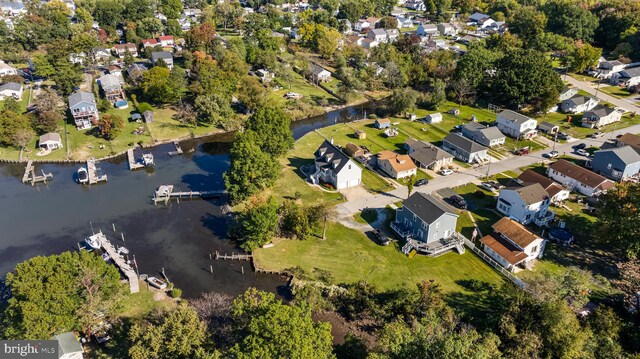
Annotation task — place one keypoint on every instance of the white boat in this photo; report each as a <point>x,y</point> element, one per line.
<point>123,250</point>
<point>156,282</point>
<point>95,241</point>
<point>83,175</point>
<point>147,159</point>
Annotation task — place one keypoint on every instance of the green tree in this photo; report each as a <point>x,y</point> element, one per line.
<point>213,109</point>
<point>570,19</point>
<point>402,100</point>
<point>618,212</point>
<point>258,223</point>
<point>273,128</point>
<point>157,85</point>
<point>173,27</point>
<point>271,329</point>
<point>476,65</point>
<point>14,128</point>
<point>528,23</point>
<point>171,8</point>
<point>252,93</point>
<point>583,57</point>
<point>410,183</point>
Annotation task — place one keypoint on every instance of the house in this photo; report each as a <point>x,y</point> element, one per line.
<point>607,68</point>
<point>600,116</point>
<point>617,163</point>
<point>265,75</point>
<point>427,156</point>
<point>115,70</point>
<point>626,78</point>
<point>6,70</point>
<point>112,87</point>
<point>368,43</point>
<point>319,74</point>
<point>121,49</point>
<point>464,149</point>
<point>166,41</point>
<point>50,141</point>
<point>427,30</point>
<point>516,125</point>
<point>382,123</point>
<point>396,165</point>
<point>11,90</point>
<point>447,29</point>
<point>68,346</point>
<point>578,104</point>
<point>101,54</point>
<point>525,204</point>
<point>567,93</point>
<point>166,56</point>
<point>404,22</point>
<point>148,116</point>
<point>392,35</point>
<point>417,5</point>
<point>361,25</point>
<point>511,244</point>
<point>556,192</point>
<point>484,135</point>
<point>548,127</point>
<point>379,35</point>
<point>149,43</point>
<point>334,167</point>
<point>135,71</point>
<point>629,139</point>
<point>82,106</point>
<point>77,58</point>
<point>577,178</point>
<point>480,20</point>
<point>353,150</point>
<point>424,218</point>
<point>433,118</point>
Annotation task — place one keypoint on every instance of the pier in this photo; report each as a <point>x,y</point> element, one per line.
<point>30,175</point>
<point>118,260</point>
<point>233,256</point>
<point>92,172</point>
<point>147,160</point>
<point>178,150</point>
<point>165,193</point>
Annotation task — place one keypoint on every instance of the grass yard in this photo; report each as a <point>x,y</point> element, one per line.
<point>350,255</point>
<point>312,94</point>
<point>373,182</point>
<point>510,144</point>
<point>376,141</point>
<point>139,304</point>
<point>22,104</point>
<point>575,129</point>
<point>616,91</point>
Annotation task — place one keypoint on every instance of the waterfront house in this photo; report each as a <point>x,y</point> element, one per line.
<point>382,123</point>
<point>68,346</point>
<point>50,141</point>
<point>319,74</point>
<point>617,163</point>
<point>464,149</point>
<point>600,116</point>
<point>334,167</point>
<point>11,90</point>
<point>626,78</point>
<point>567,93</point>
<point>516,125</point>
<point>166,56</point>
<point>578,104</point>
<point>484,135</point>
<point>112,88</point>
<point>577,178</point>
<point>428,156</point>
<point>82,106</point>
<point>526,204</point>
<point>6,69</point>
<point>396,165</point>
<point>122,49</point>
<point>512,245</point>
<point>433,118</point>
<point>556,192</point>
<point>424,218</point>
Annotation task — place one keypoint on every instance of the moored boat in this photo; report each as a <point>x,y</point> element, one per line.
<point>94,241</point>
<point>82,175</point>
<point>157,282</point>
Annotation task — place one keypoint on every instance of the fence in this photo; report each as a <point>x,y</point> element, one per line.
<point>494,264</point>
<point>494,108</point>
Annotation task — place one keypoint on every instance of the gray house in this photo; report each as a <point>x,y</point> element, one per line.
<point>486,136</point>
<point>82,106</point>
<point>166,56</point>
<point>567,93</point>
<point>464,149</point>
<point>427,156</point>
<point>425,219</point>
<point>617,163</point>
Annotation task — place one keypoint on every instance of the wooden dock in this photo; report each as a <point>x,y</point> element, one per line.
<point>178,150</point>
<point>30,175</point>
<point>133,164</point>
<point>165,193</point>
<point>92,171</point>
<point>233,256</point>
<point>118,260</point>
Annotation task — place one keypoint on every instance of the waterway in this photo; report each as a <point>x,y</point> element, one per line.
<point>51,218</point>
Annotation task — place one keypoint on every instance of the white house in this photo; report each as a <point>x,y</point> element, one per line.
<point>166,41</point>
<point>6,70</point>
<point>578,104</point>
<point>577,178</point>
<point>361,25</point>
<point>68,346</point>
<point>404,22</point>
<point>627,78</point>
<point>379,35</point>
<point>447,29</point>
<point>121,49</point>
<point>392,35</point>
<point>556,192</point>
<point>11,90</point>
<point>417,5</point>
<point>512,244</point>
<point>516,125</point>
<point>600,116</point>
<point>480,20</point>
<point>319,74</point>
<point>149,43</point>
<point>567,93</point>
<point>486,136</point>
<point>526,204</point>
<point>50,141</point>
<point>368,43</point>
<point>427,30</point>
<point>396,165</point>
<point>334,167</point>
<point>433,118</point>
<point>607,68</point>
<point>166,56</point>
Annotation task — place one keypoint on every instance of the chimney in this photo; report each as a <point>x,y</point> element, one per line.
<point>331,140</point>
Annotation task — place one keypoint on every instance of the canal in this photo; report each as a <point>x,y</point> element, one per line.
<point>49,219</point>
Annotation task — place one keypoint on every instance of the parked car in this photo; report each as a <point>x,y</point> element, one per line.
<point>487,186</point>
<point>563,136</point>
<point>523,151</point>
<point>421,182</point>
<point>582,152</point>
<point>381,237</point>
<point>494,184</point>
<point>293,95</point>
<point>597,134</point>
<point>446,172</point>
<point>580,146</point>
<point>457,201</point>
<point>552,154</point>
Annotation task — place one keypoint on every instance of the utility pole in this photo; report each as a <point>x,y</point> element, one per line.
<point>489,167</point>
<point>555,139</point>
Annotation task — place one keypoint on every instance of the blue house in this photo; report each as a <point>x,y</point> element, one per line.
<point>617,163</point>
<point>382,123</point>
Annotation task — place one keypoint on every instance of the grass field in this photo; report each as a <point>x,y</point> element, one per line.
<point>616,91</point>
<point>312,94</point>
<point>350,255</point>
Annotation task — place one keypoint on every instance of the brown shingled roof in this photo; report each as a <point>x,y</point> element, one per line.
<point>630,139</point>
<point>515,231</point>
<point>530,176</point>
<point>504,249</point>
<point>580,174</point>
<point>399,162</point>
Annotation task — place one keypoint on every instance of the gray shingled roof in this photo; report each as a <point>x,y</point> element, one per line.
<point>329,156</point>
<point>68,343</point>
<point>428,208</point>
<point>379,32</point>
<point>514,116</point>
<point>12,86</point>
<point>579,99</point>
<point>464,143</point>
<point>626,154</point>
<point>157,55</point>
<point>81,96</point>
<point>629,73</point>
<point>108,81</point>
<point>530,194</point>
<point>491,133</point>
<point>599,111</point>
<point>316,70</point>
<point>426,153</point>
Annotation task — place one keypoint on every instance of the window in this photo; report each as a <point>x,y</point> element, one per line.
<point>349,166</point>
<point>534,249</point>
<point>528,216</point>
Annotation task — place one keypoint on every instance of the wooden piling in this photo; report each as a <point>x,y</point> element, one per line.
<point>122,235</point>
<point>114,226</point>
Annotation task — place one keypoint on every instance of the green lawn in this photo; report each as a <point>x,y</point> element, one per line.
<point>350,255</point>
<point>373,182</point>
<point>616,91</point>
<point>22,104</point>
<point>312,94</point>
<point>575,129</point>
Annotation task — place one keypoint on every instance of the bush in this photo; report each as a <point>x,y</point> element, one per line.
<point>144,106</point>
<point>176,292</point>
<point>104,105</point>
<point>297,195</point>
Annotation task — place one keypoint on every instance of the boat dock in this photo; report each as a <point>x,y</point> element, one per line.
<point>165,194</point>
<point>178,150</point>
<point>30,175</point>
<point>233,257</point>
<point>119,261</point>
<point>92,172</point>
<point>133,164</point>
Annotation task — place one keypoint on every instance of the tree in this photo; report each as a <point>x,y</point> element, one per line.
<point>258,223</point>
<point>475,67</point>
<point>271,329</point>
<point>327,41</point>
<point>227,13</point>
<point>570,19</point>
<point>402,100</point>
<point>583,57</point>
<point>606,325</point>
<point>21,137</point>
<point>410,183</point>
<point>171,8</point>
<point>177,333</point>
<point>463,89</point>
<point>252,93</point>
<point>50,293</point>
<point>13,128</point>
<point>110,126</point>
<point>388,22</point>
<point>213,109</point>
<point>529,24</point>
<point>186,114</point>
<point>618,209</point>
<point>629,282</point>
<point>273,129</point>
<point>156,85</point>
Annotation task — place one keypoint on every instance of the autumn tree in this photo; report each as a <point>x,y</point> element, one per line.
<point>252,93</point>
<point>583,57</point>
<point>50,110</point>
<point>402,100</point>
<point>110,126</point>
<point>619,209</point>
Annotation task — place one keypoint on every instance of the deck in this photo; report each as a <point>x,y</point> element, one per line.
<point>133,164</point>
<point>30,175</point>
<point>165,193</point>
<point>118,260</point>
<point>92,171</point>
<point>178,150</point>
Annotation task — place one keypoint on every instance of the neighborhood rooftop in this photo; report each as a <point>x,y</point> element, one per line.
<point>464,143</point>
<point>515,231</point>
<point>11,86</point>
<point>514,116</point>
<point>428,208</point>
<point>578,173</point>
<point>329,156</point>
<point>599,111</point>
<point>81,96</point>
<point>531,193</point>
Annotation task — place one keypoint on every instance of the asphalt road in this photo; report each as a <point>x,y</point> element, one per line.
<point>592,89</point>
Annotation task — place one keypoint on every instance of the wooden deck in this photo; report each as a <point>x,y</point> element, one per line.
<point>178,150</point>
<point>118,260</point>
<point>30,175</point>
<point>92,171</point>
<point>233,256</point>
<point>165,193</point>
<point>133,164</point>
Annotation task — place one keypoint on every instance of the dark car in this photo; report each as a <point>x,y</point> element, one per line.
<point>563,136</point>
<point>421,182</point>
<point>382,238</point>
<point>580,146</point>
<point>457,201</point>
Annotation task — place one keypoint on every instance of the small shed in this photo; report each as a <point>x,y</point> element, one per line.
<point>433,118</point>
<point>454,111</point>
<point>136,117</point>
<point>382,123</point>
<point>361,135</point>
<point>148,116</point>
<point>68,346</point>
<point>412,117</point>
<point>548,127</point>
<point>50,141</point>
<point>353,150</point>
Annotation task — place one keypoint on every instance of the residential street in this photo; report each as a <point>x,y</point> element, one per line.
<point>357,200</point>
<point>592,89</point>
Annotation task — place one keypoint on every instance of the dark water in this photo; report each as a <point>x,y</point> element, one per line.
<point>52,218</point>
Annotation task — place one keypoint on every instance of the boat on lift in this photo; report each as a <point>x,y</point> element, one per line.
<point>82,175</point>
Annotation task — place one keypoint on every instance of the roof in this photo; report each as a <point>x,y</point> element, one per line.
<point>516,232</point>
<point>329,156</point>
<point>383,120</point>
<point>491,133</point>
<point>50,137</point>
<point>568,89</point>
<point>478,16</point>
<point>398,162</point>
<point>162,38</point>
<point>426,153</point>
<point>111,80</point>
<point>378,32</point>
<point>5,66</point>
<point>428,208</point>
<point>317,70</point>
<point>578,173</point>
<point>11,86</point>
<point>599,111</point>
<point>547,125</point>
<point>464,143</point>
<point>629,73</point>
<point>392,32</point>
<point>531,176</point>
<point>530,193</point>
<point>149,41</point>
<point>68,343</point>
<point>504,249</point>
<point>81,96</point>
<point>630,139</point>
<point>352,148</point>
<point>625,153</point>
<point>165,55</point>
<point>580,100</point>
<point>514,116</point>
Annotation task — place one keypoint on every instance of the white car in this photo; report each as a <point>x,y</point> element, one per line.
<point>293,95</point>
<point>446,172</point>
<point>582,152</point>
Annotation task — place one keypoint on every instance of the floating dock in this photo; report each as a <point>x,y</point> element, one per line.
<point>178,150</point>
<point>30,175</point>
<point>165,194</point>
<point>118,260</point>
<point>147,160</point>
<point>92,172</point>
